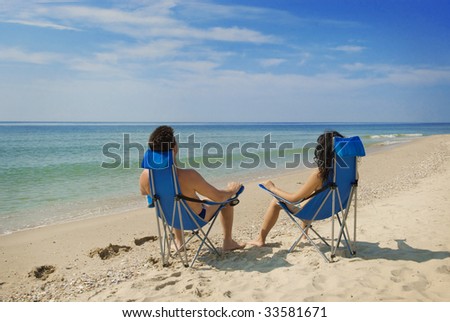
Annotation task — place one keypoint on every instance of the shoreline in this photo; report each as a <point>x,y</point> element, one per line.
<point>133,203</point>
<point>393,245</point>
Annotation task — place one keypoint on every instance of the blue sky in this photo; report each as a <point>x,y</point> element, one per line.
<point>210,60</point>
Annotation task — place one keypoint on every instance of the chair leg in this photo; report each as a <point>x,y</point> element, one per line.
<point>166,238</point>
<point>205,241</point>
<point>299,227</point>
<point>303,233</point>
<point>166,241</point>
<point>344,229</point>
<point>163,242</point>
<point>182,253</point>
<point>165,250</point>
<point>320,237</point>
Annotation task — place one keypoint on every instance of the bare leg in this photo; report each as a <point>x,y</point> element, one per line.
<point>226,219</point>
<point>270,218</point>
<point>178,239</point>
<point>305,224</point>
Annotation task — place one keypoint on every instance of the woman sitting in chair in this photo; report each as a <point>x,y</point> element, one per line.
<point>316,180</point>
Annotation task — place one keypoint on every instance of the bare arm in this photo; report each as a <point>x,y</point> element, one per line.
<point>196,183</point>
<point>312,184</point>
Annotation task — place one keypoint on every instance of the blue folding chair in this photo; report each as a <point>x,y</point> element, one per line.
<point>172,210</point>
<point>334,199</point>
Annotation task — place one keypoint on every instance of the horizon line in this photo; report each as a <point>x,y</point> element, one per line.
<point>217,122</point>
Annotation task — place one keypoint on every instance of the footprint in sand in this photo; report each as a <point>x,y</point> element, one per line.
<point>397,275</point>
<point>109,252</point>
<point>318,282</point>
<point>444,269</point>
<point>42,272</point>
<point>412,280</point>
<point>161,286</point>
<point>421,284</point>
<point>143,240</point>
<point>161,278</point>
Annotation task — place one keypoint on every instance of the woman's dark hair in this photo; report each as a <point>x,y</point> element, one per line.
<point>323,155</point>
<point>162,139</point>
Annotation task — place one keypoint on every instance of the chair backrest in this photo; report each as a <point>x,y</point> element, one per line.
<point>164,188</point>
<point>343,176</point>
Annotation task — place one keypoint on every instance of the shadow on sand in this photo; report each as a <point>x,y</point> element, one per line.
<point>264,259</point>
<point>366,250</point>
<point>253,259</point>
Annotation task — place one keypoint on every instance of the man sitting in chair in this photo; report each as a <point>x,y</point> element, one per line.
<point>191,183</point>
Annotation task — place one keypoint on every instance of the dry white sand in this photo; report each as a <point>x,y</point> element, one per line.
<point>403,248</point>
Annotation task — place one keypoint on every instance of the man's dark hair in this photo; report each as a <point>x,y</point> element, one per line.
<point>162,139</point>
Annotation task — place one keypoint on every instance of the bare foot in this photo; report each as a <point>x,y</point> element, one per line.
<point>232,245</point>
<point>257,243</point>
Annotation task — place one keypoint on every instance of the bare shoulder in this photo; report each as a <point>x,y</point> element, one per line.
<point>315,173</point>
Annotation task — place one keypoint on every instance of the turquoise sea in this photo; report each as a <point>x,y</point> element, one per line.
<point>56,172</point>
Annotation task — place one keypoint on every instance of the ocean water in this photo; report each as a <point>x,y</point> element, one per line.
<point>56,172</point>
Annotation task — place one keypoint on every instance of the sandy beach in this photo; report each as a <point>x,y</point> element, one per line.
<point>403,247</point>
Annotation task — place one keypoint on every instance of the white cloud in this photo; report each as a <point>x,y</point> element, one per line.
<point>101,16</point>
<point>159,49</point>
<point>41,24</point>
<point>304,58</point>
<point>157,37</point>
<point>137,19</point>
<point>400,74</point>
<point>171,54</point>
<point>197,67</point>
<point>198,86</point>
<point>271,62</point>
<point>98,68</point>
<point>237,34</point>
<point>419,76</point>
<point>355,67</point>
<point>349,49</point>
<point>142,22</point>
<point>12,54</point>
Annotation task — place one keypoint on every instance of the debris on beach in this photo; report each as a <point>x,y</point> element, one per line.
<point>109,252</point>
<point>143,240</point>
<point>42,272</point>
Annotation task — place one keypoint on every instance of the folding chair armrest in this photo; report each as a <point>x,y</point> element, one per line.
<point>278,197</point>
<point>233,200</point>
